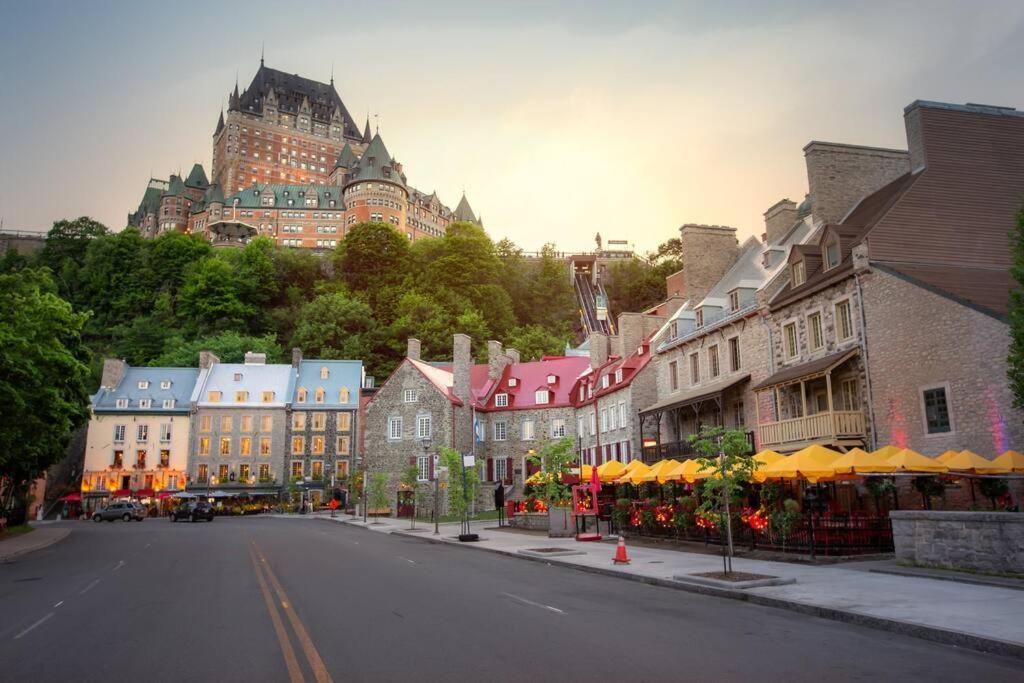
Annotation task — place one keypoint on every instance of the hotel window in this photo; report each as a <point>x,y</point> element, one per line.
<point>844,321</point>
<point>341,470</point>
<point>213,396</point>
<point>734,300</point>
<point>298,420</point>
<point>165,432</point>
<point>344,422</point>
<point>204,445</point>
<point>225,445</point>
<point>245,446</point>
<point>318,395</point>
<point>119,433</point>
<point>266,423</point>
<point>140,459</point>
<point>226,423</point>
<point>673,375</point>
<point>121,403</point>
<point>118,461</point>
<point>831,253</point>
<point>267,396</point>
<point>849,392</point>
<point>500,431</point>
<point>799,273</point>
<point>245,423</point>
<point>501,400</point>
<point>241,396</point>
<point>142,433</point>
<point>394,428</point>
<point>343,445</point>
<point>302,395</point>
<point>317,446</point>
<point>713,360</point>
<point>557,428</point>
<point>317,469</point>
<point>243,472</point>
<point>297,469</point>
<point>789,338</point>
<point>165,458</point>
<point>168,403</point>
<point>145,403</point>
<point>319,422</point>
<point>264,472</point>
<point>298,444</point>
<point>694,368</point>
<point>264,445</point>
<point>203,473</point>
<point>409,396</point>
<point>734,354</point>
<point>815,337</point>
<point>423,426</point>
<point>936,411</point>
<point>529,430</point>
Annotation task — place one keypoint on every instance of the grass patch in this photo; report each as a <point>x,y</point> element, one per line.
<point>15,531</point>
<point>484,515</point>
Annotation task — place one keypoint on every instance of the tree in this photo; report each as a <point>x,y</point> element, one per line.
<point>112,281</point>
<point>65,249</point>
<point>335,326</point>
<point>211,297</point>
<point>533,342</point>
<point>410,481</point>
<point>43,371</point>
<point>634,285</point>
<point>555,459</point>
<point>229,346</point>
<point>1015,360</point>
<point>170,257</point>
<point>726,453</point>
<point>378,491</point>
<point>371,257</point>
<point>461,489</point>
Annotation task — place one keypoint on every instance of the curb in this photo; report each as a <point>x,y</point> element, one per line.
<point>907,628</point>
<point>5,558</point>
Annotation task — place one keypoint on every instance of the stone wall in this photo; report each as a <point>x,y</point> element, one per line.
<point>972,541</point>
<point>708,252</point>
<point>839,175</point>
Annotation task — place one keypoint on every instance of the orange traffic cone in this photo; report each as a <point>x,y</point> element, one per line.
<point>620,552</point>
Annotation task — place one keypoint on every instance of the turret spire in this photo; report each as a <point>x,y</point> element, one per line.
<point>261,53</point>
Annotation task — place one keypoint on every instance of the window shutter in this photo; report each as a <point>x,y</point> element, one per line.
<point>490,469</point>
<point>412,459</point>
<point>508,470</point>
<point>430,460</point>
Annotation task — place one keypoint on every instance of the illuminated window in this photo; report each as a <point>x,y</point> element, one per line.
<point>343,395</point>
<point>317,469</point>
<point>267,396</point>
<point>319,421</point>
<point>318,445</point>
<point>298,444</point>
<point>344,422</point>
<point>213,396</point>
<point>204,445</point>
<point>245,446</point>
<point>246,423</point>
<point>264,472</point>
<point>297,469</point>
<point>225,445</point>
<point>241,396</point>
<point>243,472</point>
<point>298,420</point>
<point>318,395</point>
<point>302,395</point>
<point>343,445</point>
<point>203,473</point>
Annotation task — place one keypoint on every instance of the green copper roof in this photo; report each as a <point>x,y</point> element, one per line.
<point>376,164</point>
<point>250,197</point>
<point>197,178</point>
<point>176,187</point>
<point>347,158</point>
<point>463,212</point>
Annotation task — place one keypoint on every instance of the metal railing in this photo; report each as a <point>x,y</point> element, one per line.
<point>679,450</point>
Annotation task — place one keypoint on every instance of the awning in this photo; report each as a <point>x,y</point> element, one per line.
<point>122,493</point>
<point>71,497</point>
<point>698,395</point>
<point>97,493</point>
<point>805,371</point>
<point>144,493</point>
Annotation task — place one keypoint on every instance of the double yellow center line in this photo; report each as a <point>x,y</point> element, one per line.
<point>265,574</point>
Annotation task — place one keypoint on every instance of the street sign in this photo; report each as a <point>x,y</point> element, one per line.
<point>469,461</point>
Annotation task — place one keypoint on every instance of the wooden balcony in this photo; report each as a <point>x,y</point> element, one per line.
<point>840,427</point>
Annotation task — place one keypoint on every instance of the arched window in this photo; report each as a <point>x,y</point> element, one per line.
<point>343,395</point>
<point>302,395</point>
<point>318,395</point>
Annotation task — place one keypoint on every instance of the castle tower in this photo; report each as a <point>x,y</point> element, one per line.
<point>375,189</point>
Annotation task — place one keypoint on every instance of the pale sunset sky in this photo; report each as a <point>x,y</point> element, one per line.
<point>560,119</point>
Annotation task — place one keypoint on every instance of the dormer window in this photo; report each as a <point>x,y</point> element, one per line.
<point>343,395</point>
<point>582,393</point>
<point>168,403</point>
<point>238,377</point>
<point>799,273</point>
<point>165,384</point>
<point>618,375</point>
<point>700,317</point>
<point>324,373</point>
<point>673,329</point>
<point>542,396</point>
<point>734,300</point>
<point>552,379</point>
<point>143,384</point>
<point>830,253</point>
<point>121,403</point>
<point>604,382</point>
<point>512,381</point>
<point>501,400</point>
<point>302,395</point>
<point>145,403</point>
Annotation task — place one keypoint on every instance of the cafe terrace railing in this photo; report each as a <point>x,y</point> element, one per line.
<point>679,450</point>
<point>838,424</point>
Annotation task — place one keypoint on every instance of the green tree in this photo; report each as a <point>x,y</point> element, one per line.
<point>43,371</point>
<point>335,326</point>
<point>550,300</point>
<point>1015,360</point>
<point>256,273</point>
<point>410,481</point>
<point>371,257</point>
<point>378,491</point>
<point>229,346</point>
<point>555,459</point>
<point>533,342</point>
<point>64,252</point>
<point>112,280</point>
<point>211,297</point>
<point>460,494</point>
<point>170,257</point>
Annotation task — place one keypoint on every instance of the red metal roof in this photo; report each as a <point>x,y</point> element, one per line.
<point>631,365</point>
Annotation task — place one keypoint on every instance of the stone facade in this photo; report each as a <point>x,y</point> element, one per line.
<point>320,444</point>
<point>216,430</point>
<point>515,449</point>
<point>991,542</point>
<point>708,251</point>
<point>839,175</point>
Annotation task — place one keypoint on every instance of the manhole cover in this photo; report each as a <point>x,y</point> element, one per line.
<point>547,550</point>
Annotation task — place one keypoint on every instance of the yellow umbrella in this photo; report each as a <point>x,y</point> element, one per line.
<point>634,476</point>
<point>611,470</point>
<point>688,470</point>
<point>633,464</point>
<point>763,460</point>
<point>912,461</point>
<point>857,461</point>
<point>1012,461</point>
<point>658,471</point>
<point>811,463</point>
<point>887,451</point>
<point>967,461</point>
<point>946,456</point>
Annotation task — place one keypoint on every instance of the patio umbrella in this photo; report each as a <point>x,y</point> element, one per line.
<point>912,461</point>
<point>763,460</point>
<point>71,497</point>
<point>811,463</point>
<point>887,451</point>
<point>633,464</point>
<point>185,496</point>
<point>972,463</point>
<point>1012,461</point>
<point>611,470</point>
<point>658,471</point>
<point>946,456</point>
<point>635,475</point>
<point>688,471</point>
<point>857,461</point>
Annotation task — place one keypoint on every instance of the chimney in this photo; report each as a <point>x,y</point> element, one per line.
<point>496,359</point>
<point>296,358</point>
<point>635,327</point>
<point>708,252</point>
<point>839,175</point>
<point>412,348</point>
<point>598,349</point>
<point>207,359</point>
<point>778,220</point>
<point>462,364</point>
<point>675,284</point>
<point>113,372</point>
<point>253,358</point>
<point>512,355</point>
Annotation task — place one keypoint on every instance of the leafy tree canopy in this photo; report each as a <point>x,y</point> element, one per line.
<point>229,346</point>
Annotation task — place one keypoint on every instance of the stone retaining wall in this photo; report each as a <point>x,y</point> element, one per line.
<point>974,541</point>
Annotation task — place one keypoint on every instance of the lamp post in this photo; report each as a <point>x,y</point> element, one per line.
<point>425,442</point>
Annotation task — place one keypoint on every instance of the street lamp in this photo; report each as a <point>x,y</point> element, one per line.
<point>425,442</point>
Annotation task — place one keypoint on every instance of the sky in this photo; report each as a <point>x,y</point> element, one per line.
<point>558,119</point>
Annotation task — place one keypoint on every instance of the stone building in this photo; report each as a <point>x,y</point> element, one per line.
<point>239,417</point>
<point>323,423</point>
<point>138,435</point>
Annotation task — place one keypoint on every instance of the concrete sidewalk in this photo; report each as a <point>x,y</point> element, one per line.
<point>37,539</point>
<point>985,618</point>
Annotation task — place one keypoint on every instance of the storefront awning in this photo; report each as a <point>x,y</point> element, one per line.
<point>806,371</point>
<point>707,392</point>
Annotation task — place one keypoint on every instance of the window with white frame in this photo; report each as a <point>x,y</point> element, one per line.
<point>849,394</point>
<point>501,400</point>
<point>500,429</point>
<point>622,413</point>
<point>790,340</point>
<point>168,403</point>
<point>611,419</point>
<point>409,396</point>
<point>143,384</point>
<point>593,422</point>
<point>121,403</point>
<point>165,432</point>
<point>604,420</point>
<point>500,469</point>
<point>618,375</point>
<point>394,428</point>
<point>579,426</point>
<point>844,320</point>
<point>734,300</point>
<point>604,382</point>
<point>423,468</point>
<point>145,403</point>
<point>713,369</point>
<point>557,428</point>
<point>512,381</point>
<point>165,384</point>
<point>798,272</point>
<point>119,433</point>
<point>142,433</point>
<point>529,430</point>
<point>542,396</point>
<point>423,426</point>
<point>552,379</point>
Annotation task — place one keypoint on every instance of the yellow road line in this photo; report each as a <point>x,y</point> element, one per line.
<point>294,672</point>
<point>317,664</point>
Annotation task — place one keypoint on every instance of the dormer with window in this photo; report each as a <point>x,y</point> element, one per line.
<point>318,395</point>
<point>798,272</point>
<point>830,251</point>
<point>121,403</point>
<point>699,317</point>
<point>734,300</point>
<point>238,377</point>
<point>145,403</point>
<point>301,395</point>
<point>618,375</point>
<point>542,397</point>
<point>143,384</point>
<point>673,329</point>
<point>324,373</point>
<point>512,382</point>
<point>604,382</point>
<point>501,400</point>
<point>343,395</point>
<point>165,384</point>
<point>552,379</point>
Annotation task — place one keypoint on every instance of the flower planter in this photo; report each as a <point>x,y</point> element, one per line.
<point>560,523</point>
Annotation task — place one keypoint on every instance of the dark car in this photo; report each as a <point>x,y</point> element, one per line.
<point>121,510</point>
<point>193,512</point>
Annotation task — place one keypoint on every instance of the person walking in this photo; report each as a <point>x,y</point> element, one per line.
<point>499,503</point>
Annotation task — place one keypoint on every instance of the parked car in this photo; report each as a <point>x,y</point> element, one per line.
<point>193,511</point>
<point>125,510</point>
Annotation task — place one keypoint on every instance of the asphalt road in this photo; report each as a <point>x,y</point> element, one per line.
<point>259,599</point>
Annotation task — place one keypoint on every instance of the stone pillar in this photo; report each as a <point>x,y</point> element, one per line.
<point>598,349</point>
<point>496,359</point>
<point>462,358</point>
<point>412,348</point>
<point>253,358</point>
<point>512,354</point>
<point>113,372</point>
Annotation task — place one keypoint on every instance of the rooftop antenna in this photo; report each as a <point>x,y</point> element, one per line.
<point>332,73</point>
<point>261,52</point>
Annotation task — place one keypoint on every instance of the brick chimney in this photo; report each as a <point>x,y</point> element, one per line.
<point>839,175</point>
<point>512,355</point>
<point>496,359</point>
<point>207,359</point>
<point>635,327</point>
<point>598,349</point>
<point>296,358</point>
<point>253,358</point>
<point>778,220</point>
<point>113,372</point>
<point>412,348</point>
<point>462,358</point>
<point>708,251</point>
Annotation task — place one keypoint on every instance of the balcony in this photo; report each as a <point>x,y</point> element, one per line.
<point>680,450</point>
<point>840,427</point>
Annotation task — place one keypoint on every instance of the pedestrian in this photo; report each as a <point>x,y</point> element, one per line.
<point>499,503</point>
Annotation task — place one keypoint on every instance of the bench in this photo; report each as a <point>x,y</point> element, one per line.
<point>378,512</point>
